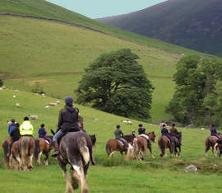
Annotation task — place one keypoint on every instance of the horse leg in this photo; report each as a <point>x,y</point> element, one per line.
<point>39,157</point>
<point>111,154</point>
<point>46,159</point>
<point>30,158</point>
<point>67,177</point>
<point>150,149</point>
<point>79,175</point>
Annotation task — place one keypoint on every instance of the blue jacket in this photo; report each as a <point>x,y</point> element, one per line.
<point>11,128</point>
<point>42,132</point>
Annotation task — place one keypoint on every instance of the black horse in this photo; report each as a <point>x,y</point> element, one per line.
<point>75,149</point>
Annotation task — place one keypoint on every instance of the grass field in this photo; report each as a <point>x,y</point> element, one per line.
<point>53,54</point>
<point>156,175</point>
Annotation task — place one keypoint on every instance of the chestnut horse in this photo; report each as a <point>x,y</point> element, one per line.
<point>12,158</point>
<point>174,145</point>
<point>15,161</point>
<point>141,143</point>
<point>5,147</point>
<point>114,145</point>
<point>129,138</point>
<point>43,147</point>
<point>210,142</point>
<point>76,150</point>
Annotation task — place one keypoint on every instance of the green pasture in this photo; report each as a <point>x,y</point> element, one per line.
<point>55,55</point>
<point>156,175</point>
<point>48,11</point>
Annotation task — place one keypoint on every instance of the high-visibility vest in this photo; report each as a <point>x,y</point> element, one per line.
<point>26,128</point>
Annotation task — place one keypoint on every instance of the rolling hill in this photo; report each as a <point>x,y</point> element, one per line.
<point>52,50</point>
<point>194,24</point>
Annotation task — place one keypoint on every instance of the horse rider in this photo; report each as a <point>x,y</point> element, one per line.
<point>43,133</point>
<point>67,122</point>
<point>213,131</point>
<point>165,132</point>
<point>173,131</point>
<point>119,136</point>
<point>13,131</point>
<point>26,128</point>
<point>142,131</point>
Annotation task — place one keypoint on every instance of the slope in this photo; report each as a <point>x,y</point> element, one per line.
<point>192,24</point>
<point>42,9</point>
<point>38,51</point>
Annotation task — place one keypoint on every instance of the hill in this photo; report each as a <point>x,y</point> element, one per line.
<point>41,48</point>
<point>193,24</point>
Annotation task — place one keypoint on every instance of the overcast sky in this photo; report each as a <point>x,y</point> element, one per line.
<point>103,8</point>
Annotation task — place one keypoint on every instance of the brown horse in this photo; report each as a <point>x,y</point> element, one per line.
<point>76,150</point>
<point>5,147</point>
<point>114,145</point>
<point>27,147</point>
<point>15,161</point>
<point>43,147</point>
<point>210,142</point>
<point>130,137</point>
<point>174,145</point>
<point>141,143</point>
<point>218,147</point>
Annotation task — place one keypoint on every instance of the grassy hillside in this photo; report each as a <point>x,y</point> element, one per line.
<point>42,9</point>
<point>51,46</point>
<point>56,54</point>
<point>156,175</point>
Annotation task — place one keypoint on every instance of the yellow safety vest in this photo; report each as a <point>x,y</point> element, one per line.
<point>26,128</point>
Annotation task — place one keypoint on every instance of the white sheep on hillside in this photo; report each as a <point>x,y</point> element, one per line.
<point>17,104</point>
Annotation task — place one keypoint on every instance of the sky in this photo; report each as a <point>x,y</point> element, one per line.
<point>104,8</point>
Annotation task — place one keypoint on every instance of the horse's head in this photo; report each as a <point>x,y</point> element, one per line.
<point>179,136</point>
<point>152,136</point>
<point>93,139</point>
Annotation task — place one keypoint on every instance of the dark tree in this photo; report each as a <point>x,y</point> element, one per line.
<point>194,100</point>
<point>116,83</point>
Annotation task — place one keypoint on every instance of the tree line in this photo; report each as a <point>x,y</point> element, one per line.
<point>116,83</point>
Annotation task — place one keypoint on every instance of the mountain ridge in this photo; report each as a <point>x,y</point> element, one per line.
<point>193,24</point>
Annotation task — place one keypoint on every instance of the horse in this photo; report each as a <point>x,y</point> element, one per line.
<point>174,145</point>
<point>5,147</point>
<point>218,147</point>
<point>43,147</point>
<point>129,138</point>
<point>27,147</point>
<point>141,143</point>
<point>113,145</point>
<point>93,139</point>
<point>15,161</point>
<point>76,150</point>
<point>210,142</point>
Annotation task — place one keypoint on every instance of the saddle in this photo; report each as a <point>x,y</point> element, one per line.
<point>120,142</point>
<point>144,136</point>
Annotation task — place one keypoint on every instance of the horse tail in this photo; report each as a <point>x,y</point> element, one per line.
<point>84,150</point>
<point>162,147</point>
<point>5,146</point>
<point>37,149</point>
<point>24,146</point>
<point>108,149</point>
